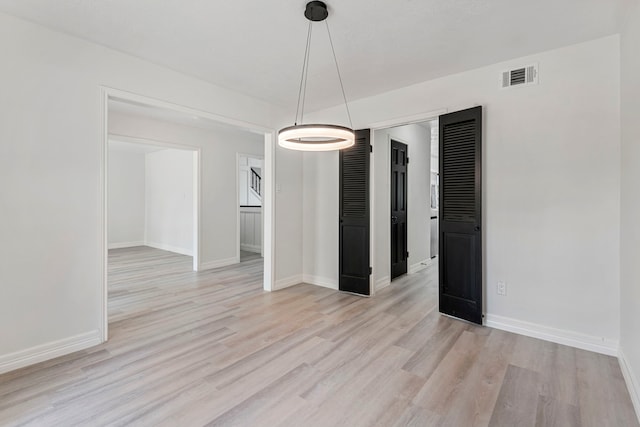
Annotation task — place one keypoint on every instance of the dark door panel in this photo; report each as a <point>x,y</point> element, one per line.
<point>399,161</point>
<point>460,218</point>
<point>354,216</point>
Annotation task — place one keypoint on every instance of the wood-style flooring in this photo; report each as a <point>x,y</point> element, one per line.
<point>211,348</point>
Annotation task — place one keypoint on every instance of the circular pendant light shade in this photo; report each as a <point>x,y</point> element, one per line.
<point>316,137</point>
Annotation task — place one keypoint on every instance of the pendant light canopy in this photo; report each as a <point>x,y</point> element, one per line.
<point>316,137</point>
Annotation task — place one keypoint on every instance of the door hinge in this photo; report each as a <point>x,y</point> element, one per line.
<point>407,160</point>
<point>371,148</point>
<point>407,254</point>
<point>370,270</point>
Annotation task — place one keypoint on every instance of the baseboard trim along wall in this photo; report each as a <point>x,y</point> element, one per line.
<point>164,247</point>
<point>414,268</point>
<point>40,353</point>
<point>251,248</point>
<point>382,283</point>
<point>122,245</point>
<point>209,265</point>
<point>632,382</point>
<point>325,282</point>
<point>287,282</point>
<point>559,336</point>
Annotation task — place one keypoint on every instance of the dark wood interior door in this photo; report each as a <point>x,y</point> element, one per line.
<point>354,238</point>
<point>399,253</point>
<point>460,255</point>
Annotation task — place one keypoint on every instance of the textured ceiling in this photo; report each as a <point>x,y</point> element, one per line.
<point>257,47</point>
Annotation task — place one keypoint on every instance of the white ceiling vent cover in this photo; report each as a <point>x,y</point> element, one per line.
<point>522,76</point>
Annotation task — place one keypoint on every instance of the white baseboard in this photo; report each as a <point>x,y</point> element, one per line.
<point>125,245</point>
<point>170,248</point>
<point>218,263</point>
<point>40,353</point>
<point>287,282</point>
<point>382,283</point>
<point>325,282</point>
<point>633,382</point>
<point>560,336</point>
<point>251,248</point>
<point>414,268</point>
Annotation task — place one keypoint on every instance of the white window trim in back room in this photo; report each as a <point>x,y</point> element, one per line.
<point>107,93</point>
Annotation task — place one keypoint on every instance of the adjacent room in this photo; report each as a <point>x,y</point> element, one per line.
<point>415,213</point>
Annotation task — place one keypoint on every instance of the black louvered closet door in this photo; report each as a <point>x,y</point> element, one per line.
<point>354,216</point>
<point>460,264</point>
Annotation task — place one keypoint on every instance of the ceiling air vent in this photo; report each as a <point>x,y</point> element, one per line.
<point>520,76</point>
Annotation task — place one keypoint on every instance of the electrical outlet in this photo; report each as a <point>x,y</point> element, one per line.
<point>502,288</point>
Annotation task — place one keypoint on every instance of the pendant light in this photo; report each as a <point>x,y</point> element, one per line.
<point>316,137</point>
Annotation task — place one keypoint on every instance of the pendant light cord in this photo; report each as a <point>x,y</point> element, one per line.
<point>303,77</point>
<point>302,91</point>
<point>335,59</point>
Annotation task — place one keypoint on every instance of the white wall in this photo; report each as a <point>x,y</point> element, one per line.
<point>551,187</point>
<point>126,198</point>
<point>219,151</point>
<point>51,133</point>
<point>289,225</point>
<point>418,140</point>
<point>320,218</point>
<point>169,200</point>
<point>630,215</point>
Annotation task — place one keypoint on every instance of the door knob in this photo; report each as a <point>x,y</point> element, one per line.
<point>477,228</point>
<point>394,219</point>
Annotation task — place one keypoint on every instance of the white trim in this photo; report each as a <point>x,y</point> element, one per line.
<point>560,336</point>
<point>632,381</point>
<point>325,282</point>
<point>51,350</point>
<point>217,263</point>
<point>373,288</point>
<point>103,213</point>
<point>171,248</point>
<point>414,268</point>
<point>122,95</point>
<point>146,141</point>
<point>269,212</point>
<point>287,282</point>
<point>383,282</point>
<point>407,120</point>
<point>122,245</point>
<point>197,202</point>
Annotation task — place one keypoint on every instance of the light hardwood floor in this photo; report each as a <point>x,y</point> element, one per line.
<point>211,348</point>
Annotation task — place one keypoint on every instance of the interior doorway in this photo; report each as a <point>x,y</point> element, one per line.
<point>399,195</point>
<point>250,214</point>
<point>403,156</point>
<point>177,127</point>
<point>153,196</point>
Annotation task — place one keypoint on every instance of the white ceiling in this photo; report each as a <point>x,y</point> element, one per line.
<point>257,47</point>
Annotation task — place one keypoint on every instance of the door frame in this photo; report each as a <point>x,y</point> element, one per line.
<point>399,121</point>
<point>268,201</point>
<point>254,156</point>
